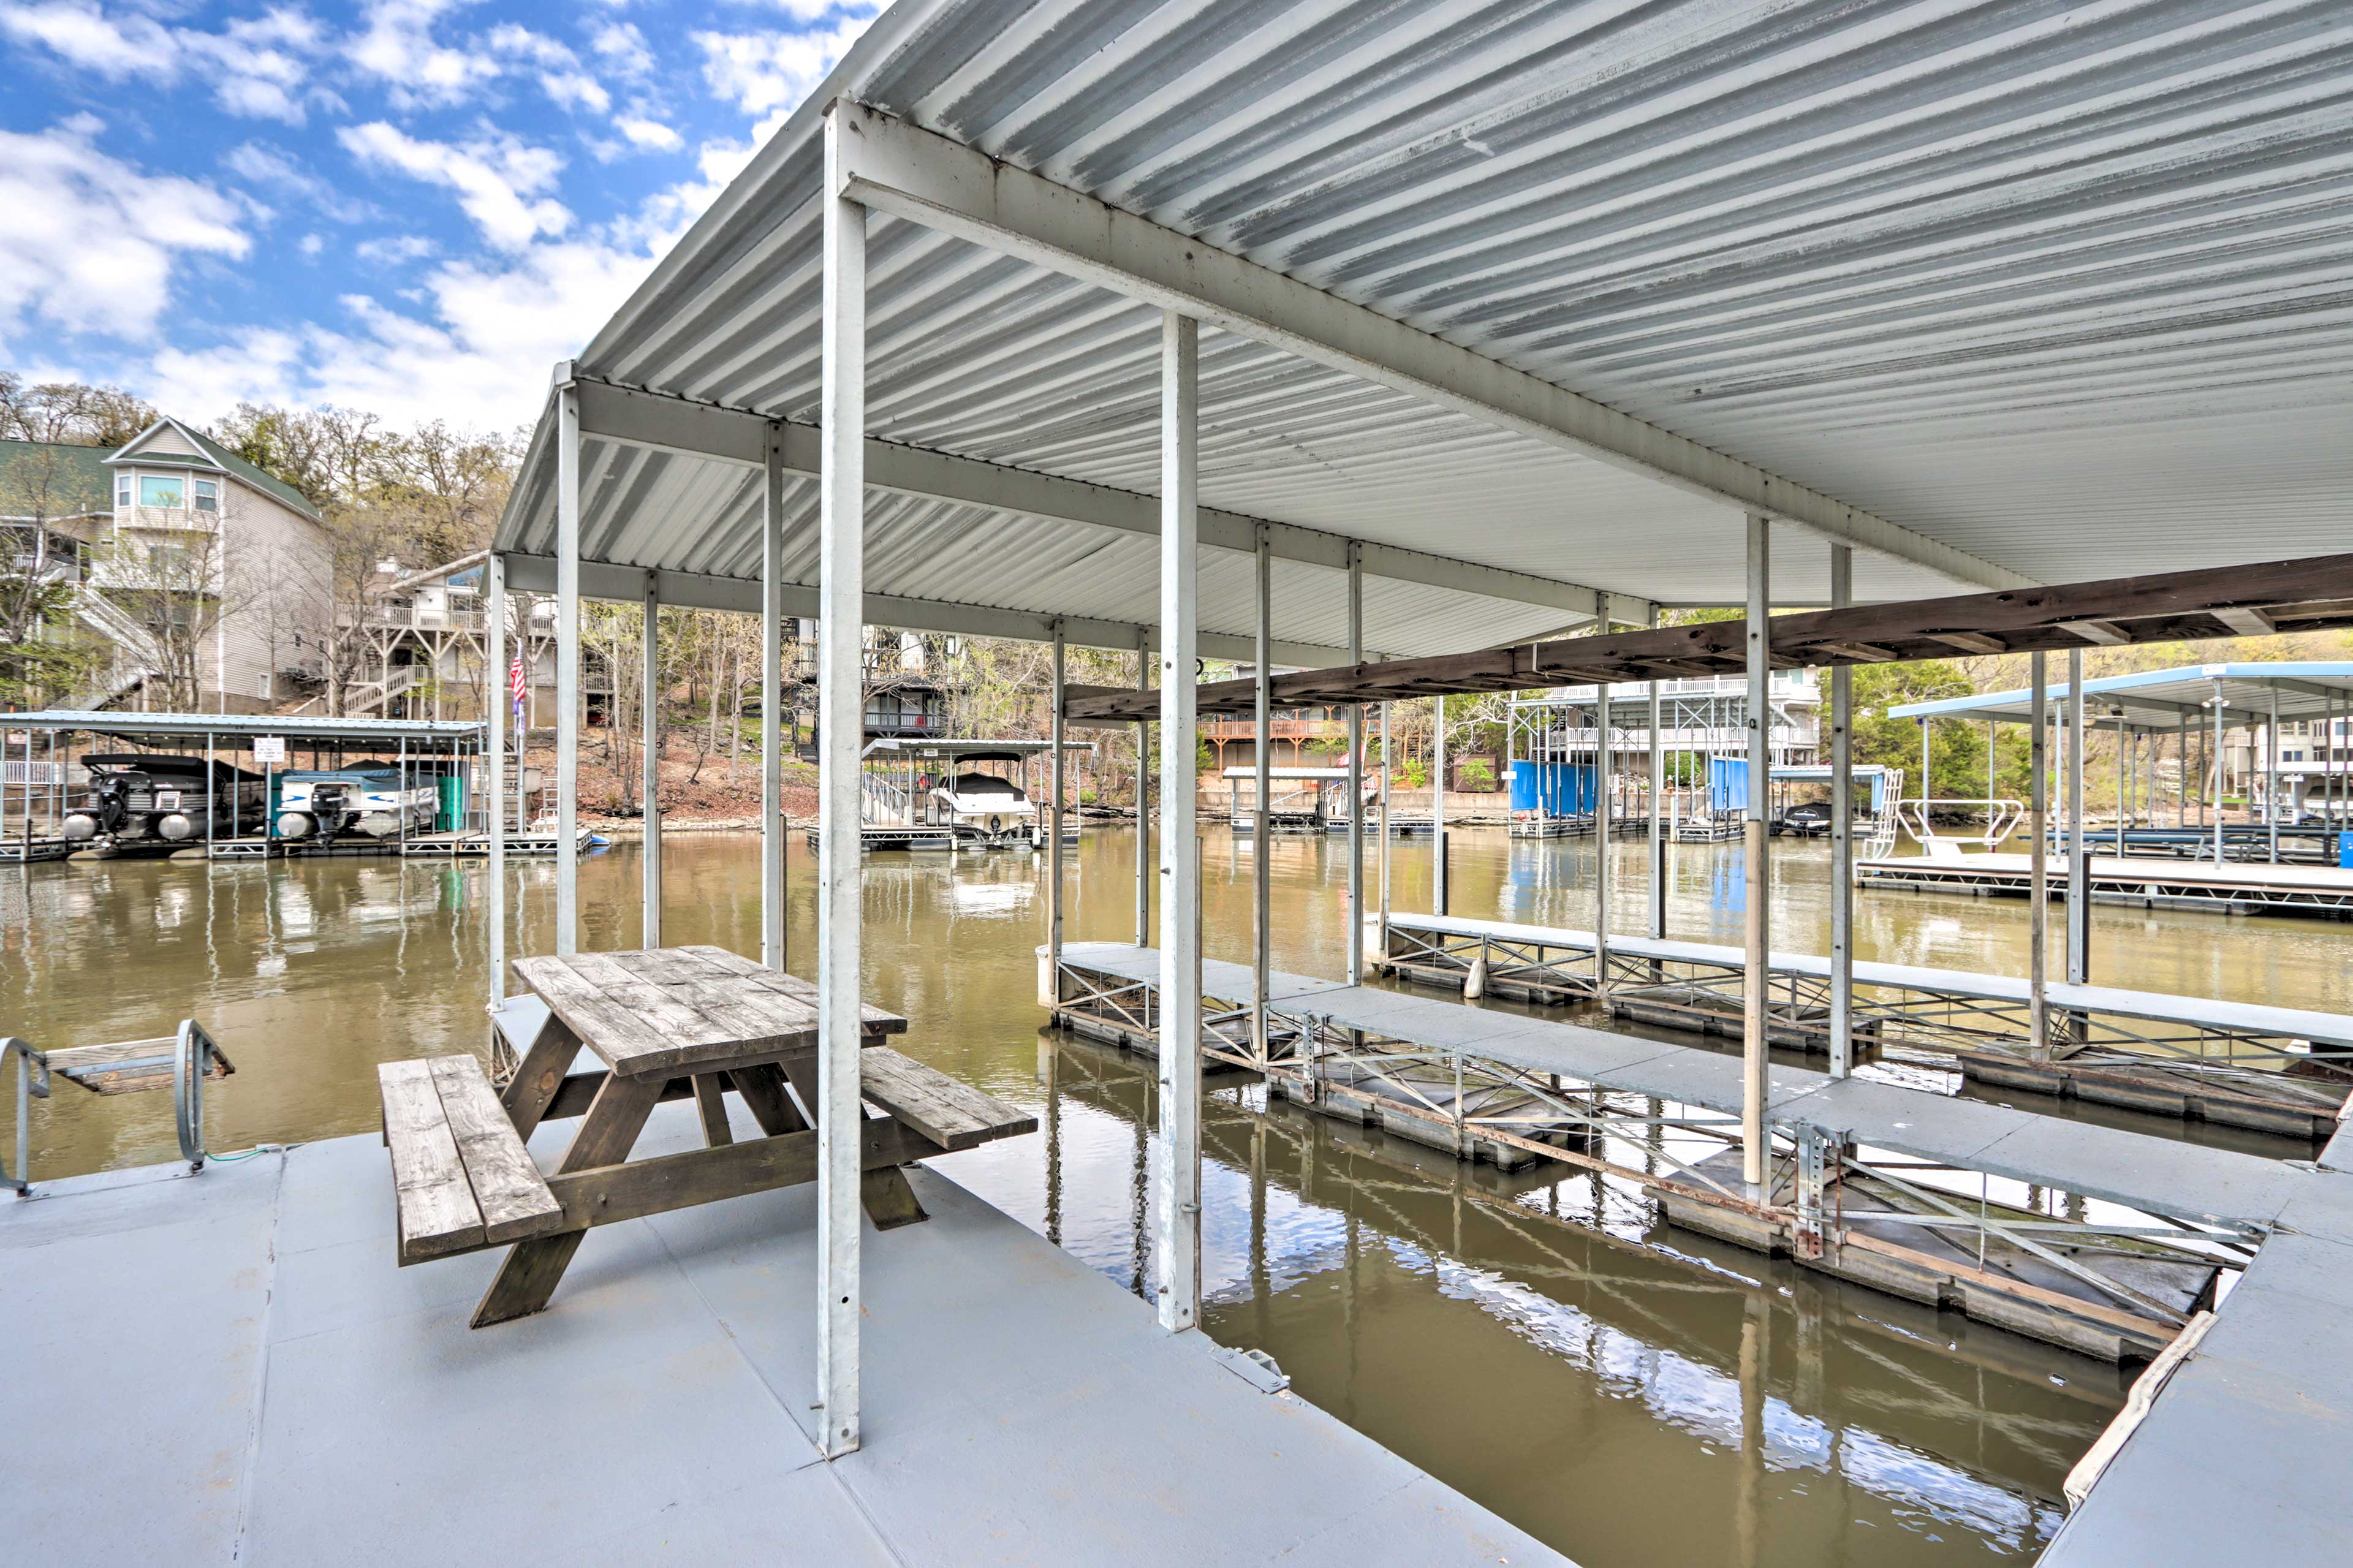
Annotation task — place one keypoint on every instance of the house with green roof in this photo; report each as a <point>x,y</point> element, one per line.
<point>208,575</point>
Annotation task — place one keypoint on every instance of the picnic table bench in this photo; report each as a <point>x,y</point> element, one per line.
<point>667,1024</point>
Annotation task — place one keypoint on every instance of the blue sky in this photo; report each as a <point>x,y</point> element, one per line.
<point>414,207</point>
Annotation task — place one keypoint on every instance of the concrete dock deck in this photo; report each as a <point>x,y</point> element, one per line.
<point>229,1368</point>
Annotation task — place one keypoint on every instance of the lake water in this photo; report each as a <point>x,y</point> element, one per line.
<point>1633,1393</point>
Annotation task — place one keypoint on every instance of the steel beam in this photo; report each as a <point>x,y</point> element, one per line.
<point>650,721</point>
<point>1177,1263</point>
<point>771,607</point>
<point>1658,855</point>
<point>1757,980</point>
<point>567,664</point>
<point>840,1118</point>
<point>1055,774</point>
<point>1357,775</point>
<point>707,591</point>
<point>1143,806</point>
<point>2079,853</point>
<point>1601,777</point>
<point>494,586</point>
<point>1843,832</point>
<point>1263,788</point>
<point>2038,831</point>
<point>1439,890</point>
<point>652,421</point>
<point>926,178</point>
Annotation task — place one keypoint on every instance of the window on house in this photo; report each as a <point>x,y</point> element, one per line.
<point>123,492</point>
<point>209,496</point>
<point>170,562</point>
<point>162,489</point>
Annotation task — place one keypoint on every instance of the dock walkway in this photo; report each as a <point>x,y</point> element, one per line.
<point>2233,888</point>
<point>2219,1187</point>
<point>1019,1407</point>
<point>2182,1056</point>
<point>2223,1465</point>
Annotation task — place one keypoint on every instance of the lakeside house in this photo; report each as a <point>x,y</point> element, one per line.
<point>197,578</point>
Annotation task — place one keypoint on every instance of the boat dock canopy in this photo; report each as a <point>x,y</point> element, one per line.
<point>967,751</point>
<point>424,737</point>
<point>2161,698</point>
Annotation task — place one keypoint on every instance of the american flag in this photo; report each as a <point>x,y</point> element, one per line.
<point>517,684</point>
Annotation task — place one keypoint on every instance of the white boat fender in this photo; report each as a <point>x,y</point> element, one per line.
<point>1475,984</point>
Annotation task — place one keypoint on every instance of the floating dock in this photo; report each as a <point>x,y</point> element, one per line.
<point>2272,1070</point>
<point>417,846</point>
<point>25,851</point>
<point>1474,1080</point>
<point>2233,887</point>
<point>1017,1405</point>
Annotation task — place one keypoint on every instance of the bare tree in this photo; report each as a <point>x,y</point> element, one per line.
<point>173,586</point>
<point>47,504</point>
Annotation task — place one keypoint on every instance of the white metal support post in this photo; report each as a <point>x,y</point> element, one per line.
<point>2038,828</point>
<point>2270,774</point>
<point>1356,773</point>
<point>651,719</point>
<point>567,666</point>
<point>1143,806</point>
<point>1381,932</point>
<point>1658,826</point>
<point>1601,815</point>
<point>1261,794</point>
<point>2216,750</point>
<point>2079,852</point>
<point>1843,831</point>
<point>1758,987</point>
<point>840,1118</point>
<point>1439,891</point>
<point>1178,1265</point>
<point>501,703</point>
<point>1053,823</point>
<point>772,705</point>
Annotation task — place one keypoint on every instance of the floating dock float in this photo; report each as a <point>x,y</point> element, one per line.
<point>2233,888</point>
<point>1475,1080</point>
<point>2272,1070</point>
<point>658,1411</point>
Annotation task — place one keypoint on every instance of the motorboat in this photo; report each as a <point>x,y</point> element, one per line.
<point>137,798</point>
<point>327,803</point>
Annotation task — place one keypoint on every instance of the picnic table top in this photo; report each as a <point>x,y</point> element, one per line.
<point>673,1009</point>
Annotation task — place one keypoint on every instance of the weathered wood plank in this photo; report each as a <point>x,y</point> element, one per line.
<point>671,1182</point>
<point>948,1111</point>
<point>531,1271</point>
<point>508,1188</point>
<point>636,1026</point>
<point>435,1203</point>
<point>126,1067</point>
<point>538,1074</point>
<point>888,1199</point>
<point>711,1104</point>
<point>872,1018</point>
<point>578,1092</point>
<point>762,1089</point>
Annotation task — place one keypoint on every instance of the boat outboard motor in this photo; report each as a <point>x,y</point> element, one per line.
<point>106,814</point>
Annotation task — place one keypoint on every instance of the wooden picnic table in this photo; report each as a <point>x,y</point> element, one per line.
<point>667,1023</point>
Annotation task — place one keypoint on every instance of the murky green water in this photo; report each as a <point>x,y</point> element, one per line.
<point>1633,1393</point>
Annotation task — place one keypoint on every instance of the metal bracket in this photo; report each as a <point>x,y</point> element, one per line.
<point>1817,1159</point>
<point>1254,1367</point>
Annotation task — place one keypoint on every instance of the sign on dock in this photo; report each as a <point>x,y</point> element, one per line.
<point>270,748</point>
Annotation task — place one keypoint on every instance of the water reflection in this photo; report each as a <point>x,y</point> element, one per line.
<point>1631,1393</point>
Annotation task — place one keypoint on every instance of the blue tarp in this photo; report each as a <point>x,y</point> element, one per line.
<point>1557,789</point>
<point>1727,784</point>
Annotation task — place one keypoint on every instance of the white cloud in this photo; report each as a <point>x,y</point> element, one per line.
<point>390,250</point>
<point>260,163</point>
<point>258,67</point>
<point>649,134</point>
<point>498,179</point>
<point>309,244</point>
<point>90,244</point>
<point>622,49</point>
<point>817,10</point>
<point>398,47</point>
<point>763,73</point>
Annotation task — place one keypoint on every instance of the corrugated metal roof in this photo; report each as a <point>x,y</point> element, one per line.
<point>2163,698</point>
<point>439,735</point>
<point>2063,284</point>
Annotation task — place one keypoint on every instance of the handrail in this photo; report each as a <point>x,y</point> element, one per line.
<point>2002,816</point>
<point>32,1080</point>
<point>191,1054</point>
